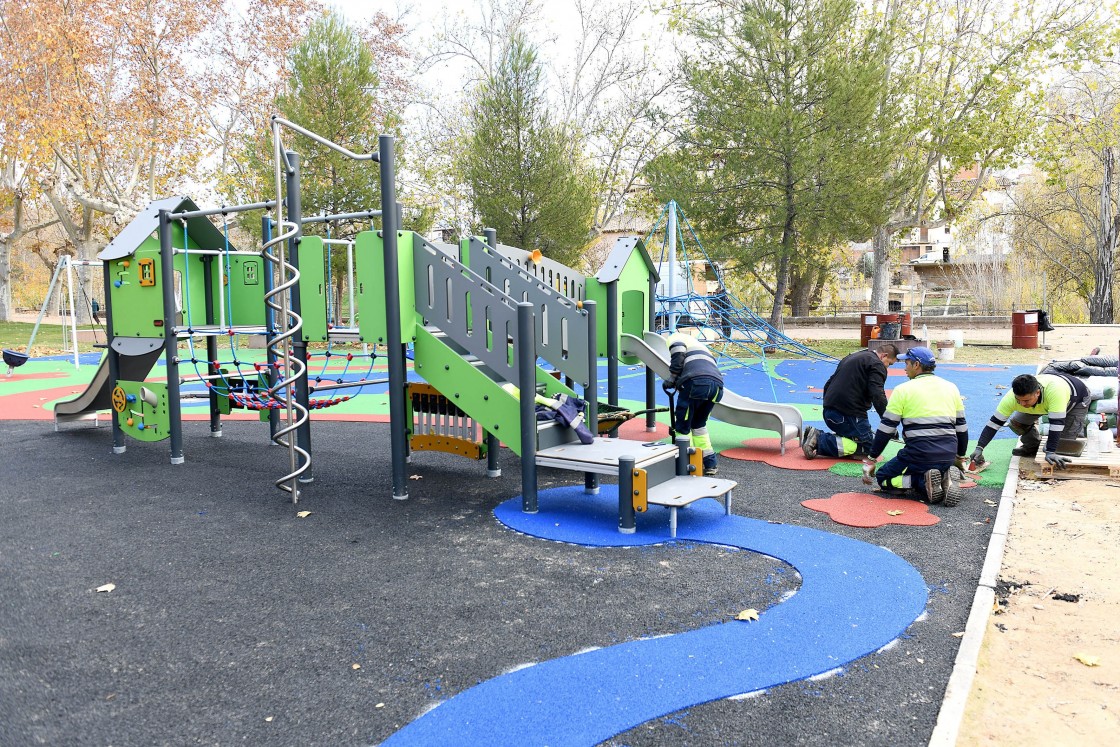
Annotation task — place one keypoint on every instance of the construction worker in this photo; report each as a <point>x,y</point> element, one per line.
<point>931,413</point>
<point>1061,398</point>
<point>854,387</point>
<point>699,383</point>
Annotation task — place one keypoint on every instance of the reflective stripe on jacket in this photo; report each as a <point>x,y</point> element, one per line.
<point>931,413</point>
<point>690,359</point>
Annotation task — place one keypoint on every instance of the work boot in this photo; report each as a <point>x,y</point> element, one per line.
<point>809,442</point>
<point>711,468</point>
<point>935,486</point>
<point>953,492</point>
<point>1025,451</point>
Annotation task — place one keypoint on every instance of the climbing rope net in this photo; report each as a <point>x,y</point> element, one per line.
<point>247,383</point>
<point>724,322</point>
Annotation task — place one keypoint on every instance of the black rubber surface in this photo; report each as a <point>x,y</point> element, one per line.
<point>234,621</point>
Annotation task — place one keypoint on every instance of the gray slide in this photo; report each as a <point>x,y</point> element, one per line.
<point>785,420</point>
<point>137,357</point>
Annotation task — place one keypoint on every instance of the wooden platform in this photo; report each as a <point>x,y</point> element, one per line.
<point>1103,466</point>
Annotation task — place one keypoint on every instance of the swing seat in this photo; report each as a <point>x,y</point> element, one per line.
<point>14,359</point>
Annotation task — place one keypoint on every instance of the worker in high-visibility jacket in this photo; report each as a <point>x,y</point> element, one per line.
<point>931,413</point>
<point>699,383</point>
<point>1062,399</point>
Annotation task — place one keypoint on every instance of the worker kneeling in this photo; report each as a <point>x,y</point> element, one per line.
<point>931,413</point>
<point>699,383</point>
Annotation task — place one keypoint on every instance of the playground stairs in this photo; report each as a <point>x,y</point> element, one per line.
<point>655,479</point>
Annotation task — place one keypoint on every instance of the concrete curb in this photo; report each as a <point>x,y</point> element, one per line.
<point>953,705</point>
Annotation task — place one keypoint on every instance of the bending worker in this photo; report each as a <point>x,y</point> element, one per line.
<point>1063,399</point>
<point>855,387</point>
<point>699,383</point>
<point>931,413</point>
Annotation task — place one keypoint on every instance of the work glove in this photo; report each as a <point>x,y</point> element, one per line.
<point>668,386</point>
<point>977,457</point>
<point>1057,460</point>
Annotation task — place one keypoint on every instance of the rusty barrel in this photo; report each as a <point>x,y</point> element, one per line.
<point>1024,330</point>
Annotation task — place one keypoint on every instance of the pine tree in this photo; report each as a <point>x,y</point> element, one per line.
<point>527,175</point>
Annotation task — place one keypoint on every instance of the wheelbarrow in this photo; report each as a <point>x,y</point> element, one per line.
<point>612,416</point>
<point>14,359</point>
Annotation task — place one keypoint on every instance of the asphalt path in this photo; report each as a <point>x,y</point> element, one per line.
<point>234,620</point>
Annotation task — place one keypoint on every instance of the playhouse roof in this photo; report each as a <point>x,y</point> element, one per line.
<point>620,255</point>
<point>146,223</point>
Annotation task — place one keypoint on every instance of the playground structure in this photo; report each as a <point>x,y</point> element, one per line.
<point>493,329</point>
<point>722,319</point>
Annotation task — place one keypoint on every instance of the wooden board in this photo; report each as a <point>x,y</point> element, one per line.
<point>1103,466</point>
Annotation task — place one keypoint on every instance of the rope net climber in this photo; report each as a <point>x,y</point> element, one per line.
<point>723,321</point>
<point>245,383</point>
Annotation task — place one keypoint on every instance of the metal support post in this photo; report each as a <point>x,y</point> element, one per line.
<point>299,346</point>
<point>270,325</point>
<point>526,351</point>
<point>651,378</point>
<point>492,447</point>
<point>626,495</point>
<point>398,427</point>
<point>171,339</point>
<point>212,367</point>
<point>682,456</point>
<point>119,442</point>
<point>591,391</point>
<point>612,348</point>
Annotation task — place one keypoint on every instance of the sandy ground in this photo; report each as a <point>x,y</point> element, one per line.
<point>1049,670</point>
<point>1031,687</point>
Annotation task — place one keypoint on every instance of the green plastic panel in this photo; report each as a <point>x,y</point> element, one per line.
<point>243,287</point>
<point>144,415</point>
<point>471,390</point>
<point>369,266</point>
<point>312,289</point>
<point>136,288</point>
<point>137,309</point>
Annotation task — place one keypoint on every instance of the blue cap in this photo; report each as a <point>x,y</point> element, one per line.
<point>919,354</point>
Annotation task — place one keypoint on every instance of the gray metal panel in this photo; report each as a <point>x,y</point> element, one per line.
<point>620,255</point>
<point>561,326</point>
<point>146,223</point>
<point>550,272</point>
<point>137,345</point>
<point>460,303</point>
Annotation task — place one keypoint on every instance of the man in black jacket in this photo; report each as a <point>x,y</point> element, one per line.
<point>855,387</point>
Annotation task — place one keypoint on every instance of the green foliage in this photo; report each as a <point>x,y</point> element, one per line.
<point>336,88</point>
<point>782,153</point>
<point>527,175</point>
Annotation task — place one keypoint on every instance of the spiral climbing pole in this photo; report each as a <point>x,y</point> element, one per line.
<point>286,322</point>
<point>287,349</point>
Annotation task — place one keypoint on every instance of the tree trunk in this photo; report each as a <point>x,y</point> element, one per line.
<point>801,292</point>
<point>5,280</point>
<point>1100,299</point>
<point>881,277</point>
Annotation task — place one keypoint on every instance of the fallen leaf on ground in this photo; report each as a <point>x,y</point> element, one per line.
<point>990,503</point>
<point>896,512</point>
<point>415,477</point>
<point>107,587</point>
<point>303,514</point>
<point>268,718</point>
<point>751,614</point>
<point>959,635</point>
<point>379,705</point>
<point>1088,659</point>
<point>355,666</point>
